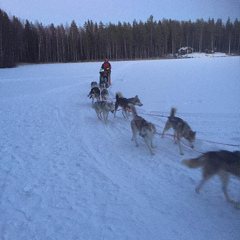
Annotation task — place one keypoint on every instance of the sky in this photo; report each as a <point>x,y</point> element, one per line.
<point>64,12</point>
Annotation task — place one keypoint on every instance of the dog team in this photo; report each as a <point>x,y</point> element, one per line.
<point>223,163</point>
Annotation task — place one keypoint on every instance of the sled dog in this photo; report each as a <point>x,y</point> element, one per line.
<point>103,85</point>
<point>104,94</point>
<point>181,129</point>
<point>123,102</point>
<point>103,107</point>
<point>94,84</point>
<point>94,93</point>
<point>222,163</point>
<point>146,129</point>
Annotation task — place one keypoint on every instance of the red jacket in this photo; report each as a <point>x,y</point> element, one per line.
<point>106,66</point>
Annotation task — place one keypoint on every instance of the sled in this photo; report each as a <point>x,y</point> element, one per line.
<point>105,78</point>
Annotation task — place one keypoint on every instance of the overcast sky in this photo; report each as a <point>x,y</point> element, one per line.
<point>64,11</point>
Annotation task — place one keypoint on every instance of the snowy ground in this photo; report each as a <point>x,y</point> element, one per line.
<point>204,55</point>
<point>64,174</point>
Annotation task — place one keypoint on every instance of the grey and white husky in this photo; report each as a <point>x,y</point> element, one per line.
<point>224,163</point>
<point>146,129</point>
<point>94,93</point>
<point>94,84</point>
<point>104,94</point>
<point>123,102</point>
<point>181,129</point>
<point>103,107</point>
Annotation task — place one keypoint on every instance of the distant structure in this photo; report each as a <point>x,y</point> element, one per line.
<point>185,50</point>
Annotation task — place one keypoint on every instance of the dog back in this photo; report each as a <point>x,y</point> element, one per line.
<point>95,92</point>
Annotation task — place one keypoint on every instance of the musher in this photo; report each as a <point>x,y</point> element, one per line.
<point>106,67</point>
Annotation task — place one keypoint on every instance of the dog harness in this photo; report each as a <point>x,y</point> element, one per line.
<point>140,123</point>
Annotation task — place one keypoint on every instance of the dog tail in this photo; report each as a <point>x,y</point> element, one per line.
<point>119,95</point>
<point>173,112</point>
<point>133,109</point>
<point>194,162</point>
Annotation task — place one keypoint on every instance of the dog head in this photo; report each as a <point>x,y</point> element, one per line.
<point>191,136</point>
<point>94,84</point>
<point>94,93</point>
<point>104,92</point>
<point>137,101</point>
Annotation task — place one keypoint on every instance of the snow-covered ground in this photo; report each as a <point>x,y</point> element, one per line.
<point>204,55</point>
<point>64,174</point>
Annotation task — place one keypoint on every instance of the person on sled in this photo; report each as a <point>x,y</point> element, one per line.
<point>103,79</point>
<point>106,68</point>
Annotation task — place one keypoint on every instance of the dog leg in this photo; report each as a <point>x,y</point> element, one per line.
<point>116,107</point>
<point>124,113</point>
<point>224,176</point>
<point>167,127</point>
<point>197,189</point>
<point>99,116</point>
<point>175,137</point>
<point>134,133</point>
<point>134,138</point>
<point>127,113</point>
<point>152,144</point>
<point>105,117</point>
<point>163,133</point>
<point>180,146</point>
<point>148,145</point>
<point>207,173</point>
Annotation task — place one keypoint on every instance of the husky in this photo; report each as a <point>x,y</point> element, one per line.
<point>103,107</point>
<point>104,94</point>
<point>103,85</point>
<point>146,129</point>
<point>94,93</point>
<point>222,163</point>
<point>123,102</point>
<point>181,129</point>
<point>94,84</point>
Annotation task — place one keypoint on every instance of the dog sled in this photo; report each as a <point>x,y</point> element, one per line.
<point>105,78</point>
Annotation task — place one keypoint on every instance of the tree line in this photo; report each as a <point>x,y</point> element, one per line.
<point>25,42</point>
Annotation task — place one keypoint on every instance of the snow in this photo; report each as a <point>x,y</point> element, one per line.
<point>203,55</point>
<point>64,174</point>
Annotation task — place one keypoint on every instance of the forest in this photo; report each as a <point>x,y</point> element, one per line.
<point>27,42</point>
